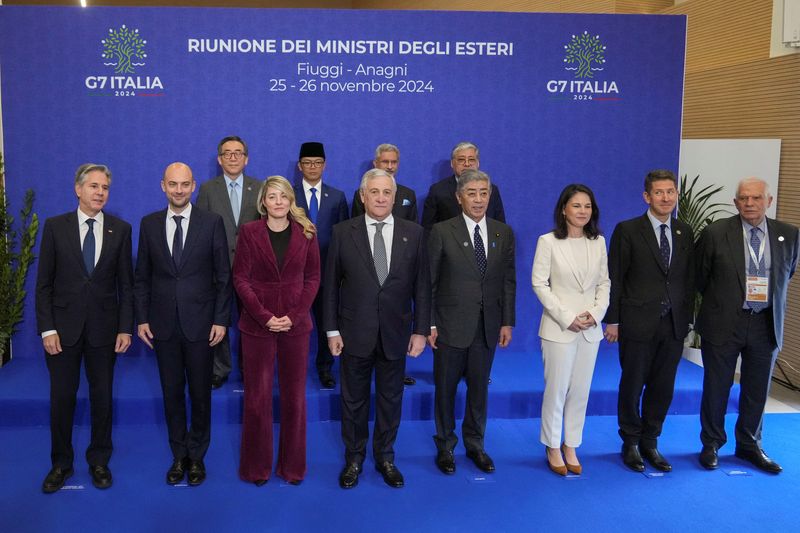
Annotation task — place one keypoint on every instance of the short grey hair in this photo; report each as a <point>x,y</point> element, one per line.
<point>386,147</point>
<point>750,180</point>
<point>470,175</point>
<point>375,173</point>
<point>84,169</point>
<point>464,145</point>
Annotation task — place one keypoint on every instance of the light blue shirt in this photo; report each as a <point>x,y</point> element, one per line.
<point>238,181</point>
<point>657,229</point>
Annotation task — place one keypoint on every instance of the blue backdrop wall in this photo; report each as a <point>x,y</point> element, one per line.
<point>550,99</point>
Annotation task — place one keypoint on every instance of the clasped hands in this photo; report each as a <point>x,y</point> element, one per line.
<point>279,325</point>
<point>582,322</point>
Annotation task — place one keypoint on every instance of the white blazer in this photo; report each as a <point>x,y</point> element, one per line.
<point>564,292</point>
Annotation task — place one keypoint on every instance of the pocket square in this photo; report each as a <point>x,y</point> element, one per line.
<point>406,202</point>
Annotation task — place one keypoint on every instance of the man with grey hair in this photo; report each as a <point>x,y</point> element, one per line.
<point>376,300</point>
<point>744,264</point>
<point>473,286</point>
<point>387,157</point>
<point>441,203</point>
<point>84,312</point>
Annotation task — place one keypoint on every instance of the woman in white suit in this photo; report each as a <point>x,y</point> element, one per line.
<point>570,278</point>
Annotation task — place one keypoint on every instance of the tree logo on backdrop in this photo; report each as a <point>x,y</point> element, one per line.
<point>585,56</point>
<point>585,50</point>
<point>124,48</point>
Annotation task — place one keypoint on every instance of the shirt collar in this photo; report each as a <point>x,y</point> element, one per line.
<point>747,226</point>
<point>186,213</point>
<point>83,217</point>
<point>388,220</point>
<point>229,180</point>
<point>657,223</point>
<point>471,223</point>
<point>307,186</point>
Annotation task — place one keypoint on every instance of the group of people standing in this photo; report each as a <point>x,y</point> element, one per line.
<point>379,287</point>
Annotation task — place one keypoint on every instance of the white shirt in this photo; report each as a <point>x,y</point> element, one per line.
<point>483,231</point>
<point>307,189</point>
<point>387,232</point>
<point>83,228</point>
<point>171,226</point>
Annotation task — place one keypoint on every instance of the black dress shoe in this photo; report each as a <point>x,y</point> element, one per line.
<point>177,471</point>
<point>657,460</point>
<point>759,459</point>
<point>327,380</point>
<point>709,458</point>
<point>197,472</point>
<point>348,478</point>
<point>55,479</point>
<point>391,475</point>
<point>101,476</point>
<point>408,380</point>
<point>217,381</point>
<point>632,458</point>
<point>481,460</point>
<point>446,462</point>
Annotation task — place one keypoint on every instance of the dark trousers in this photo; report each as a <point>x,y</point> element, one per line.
<point>450,364</point>
<point>324,359</point>
<point>356,375</point>
<point>181,361</point>
<point>65,375</point>
<point>222,351</point>
<point>754,338</point>
<point>648,379</point>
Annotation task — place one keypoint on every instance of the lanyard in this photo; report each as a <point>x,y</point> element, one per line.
<point>753,257</point>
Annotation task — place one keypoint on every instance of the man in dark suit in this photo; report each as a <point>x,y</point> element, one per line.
<point>441,203</point>
<point>473,287</point>
<point>326,206</point>
<point>233,196</point>
<point>377,310</point>
<point>183,303</point>
<point>84,311</point>
<point>744,264</point>
<point>650,264</point>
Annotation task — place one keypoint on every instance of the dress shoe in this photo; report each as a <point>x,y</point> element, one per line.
<point>481,460</point>
<point>446,462</point>
<point>709,458</point>
<point>759,459</point>
<point>348,478</point>
<point>260,482</point>
<point>632,458</point>
<point>55,479</point>
<point>657,460</point>
<point>177,471</point>
<point>327,380</point>
<point>561,470</point>
<point>217,381</point>
<point>572,468</point>
<point>408,380</point>
<point>391,475</point>
<point>101,476</point>
<point>197,472</point>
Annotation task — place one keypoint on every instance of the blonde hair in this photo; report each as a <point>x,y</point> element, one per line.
<point>295,213</point>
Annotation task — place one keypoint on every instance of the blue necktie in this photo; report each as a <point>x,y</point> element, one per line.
<point>235,201</point>
<point>480,251</point>
<point>313,208</point>
<point>177,241</point>
<point>757,270</point>
<point>88,247</point>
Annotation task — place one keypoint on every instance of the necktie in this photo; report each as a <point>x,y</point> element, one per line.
<point>379,253</point>
<point>313,207</point>
<point>88,246</point>
<point>480,251</point>
<point>177,241</point>
<point>757,270</point>
<point>664,247</point>
<point>235,201</point>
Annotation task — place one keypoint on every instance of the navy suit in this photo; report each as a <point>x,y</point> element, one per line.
<point>441,203</point>
<point>405,204</point>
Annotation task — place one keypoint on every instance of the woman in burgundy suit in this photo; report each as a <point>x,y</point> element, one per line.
<point>276,273</point>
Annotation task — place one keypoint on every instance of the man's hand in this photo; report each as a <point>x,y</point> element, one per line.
<point>145,334</point>
<point>415,345</point>
<point>612,332</point>
<point>52,344</point>
<point>432,338</point>
<point>336,345</point>
<point>216,335</point>
<point>505,336</point>
<point>123,343</point>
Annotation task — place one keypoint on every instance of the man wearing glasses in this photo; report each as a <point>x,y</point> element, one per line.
<point>326,207</point>
<point>233,196</point>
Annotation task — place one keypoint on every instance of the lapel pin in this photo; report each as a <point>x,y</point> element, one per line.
<point>780,238</point>
<point>325,194</point>
<point>405,239</point>
<point>112,231</point>
<point>466,244</point>
<point>678,231</point>
<point>497,235</point>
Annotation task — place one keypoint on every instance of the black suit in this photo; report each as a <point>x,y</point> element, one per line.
<point>727,329</point>
<point>405,204</point>
<point>181,304</point>
<point>376,322</point>
<point>87,311</point>
<point>468,311</point>
<point>652,304</point>
<point>441,203</point>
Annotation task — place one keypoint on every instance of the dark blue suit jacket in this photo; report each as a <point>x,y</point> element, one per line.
<point>332,210</point>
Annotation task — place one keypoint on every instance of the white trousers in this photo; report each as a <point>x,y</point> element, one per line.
<point>568,369</point>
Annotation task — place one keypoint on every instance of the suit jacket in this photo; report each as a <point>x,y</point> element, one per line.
<point>459,292</point>
<point>195,295</point>
<point>68,299</point>
<point>332,210</point>
<point>267,290</point>
<point>441,203</point>
<point>405,204</point>
<point>361,309</point>
<point>215,197</point>
<point>639,281</point>
<point>721,275</point>
<point>565,292</point>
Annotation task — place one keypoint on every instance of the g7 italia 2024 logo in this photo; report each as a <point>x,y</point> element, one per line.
<point>124,50</point>
<point>585,58</point>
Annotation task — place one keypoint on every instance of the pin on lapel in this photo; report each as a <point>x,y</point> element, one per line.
<point>780,238</point>
<point>466,244</point>
<point>112,231</point>
<point>405,239</point>
<point>325,194</point>
<point>497,235</point>
<point>678,231</point>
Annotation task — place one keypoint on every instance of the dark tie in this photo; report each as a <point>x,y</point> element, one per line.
<point>664,247</point>
<point>177,241</point>
<point>379,253</point>
<point>480,251</point>
<point>757,270</point>
<point>88,246</point>
<point>313,207</point>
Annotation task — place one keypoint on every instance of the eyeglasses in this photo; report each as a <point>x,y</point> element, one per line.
<point>466,161</point>
<point>312,164</point>
<point>232,154</point>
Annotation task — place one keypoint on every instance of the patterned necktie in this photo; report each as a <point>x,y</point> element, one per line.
<point>664,247</point>
<point>235,201</point>
<point>379,253</point>
<point>177,241</point>
<point>480,251</point>
<point>313,207</point>
<point>757,270</point>
<point>88,246</point>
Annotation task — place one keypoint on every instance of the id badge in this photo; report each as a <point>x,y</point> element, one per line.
<point>757,288</point>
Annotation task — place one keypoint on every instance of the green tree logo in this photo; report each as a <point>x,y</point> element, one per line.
<point>585,50</point>
<point>123,47</point>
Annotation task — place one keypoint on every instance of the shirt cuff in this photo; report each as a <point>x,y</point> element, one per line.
<point>334,333</point>
<point>48,333</point>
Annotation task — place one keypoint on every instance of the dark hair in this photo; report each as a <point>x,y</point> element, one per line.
<point>658,175</point>
<point>230,138</point>
<point>591,229</point>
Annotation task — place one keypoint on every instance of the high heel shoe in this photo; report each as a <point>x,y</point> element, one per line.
<point>560,470</point>
<point>573,469</point>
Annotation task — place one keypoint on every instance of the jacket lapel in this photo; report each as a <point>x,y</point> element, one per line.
<point>296,241</point>
<point>646,231</point>
<point>108,240</point>
<point>74,238</point>
<point>736,245</point>
<point>358,230</point>
<point>564,250</point>
<point>458,227</point>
